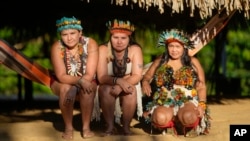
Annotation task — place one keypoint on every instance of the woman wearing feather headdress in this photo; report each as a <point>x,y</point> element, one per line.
<point>178,87</point>
<point>119,74</point>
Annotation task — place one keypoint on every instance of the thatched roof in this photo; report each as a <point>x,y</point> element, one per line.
<point>205,7</point>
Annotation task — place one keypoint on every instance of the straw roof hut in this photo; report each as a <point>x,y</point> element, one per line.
<point>204,7</point>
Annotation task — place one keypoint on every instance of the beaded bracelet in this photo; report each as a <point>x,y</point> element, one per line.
<point>114,80</point>
<point>79,81</point>
<point>203,104</point>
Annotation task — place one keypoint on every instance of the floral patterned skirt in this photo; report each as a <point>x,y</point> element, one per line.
<point>176,98</point>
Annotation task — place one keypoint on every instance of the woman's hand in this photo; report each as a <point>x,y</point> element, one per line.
<point>201,111</point>
<point>115,90</point>
<point>146,88</point>
<point>126,87</point>
<point>86,85</point>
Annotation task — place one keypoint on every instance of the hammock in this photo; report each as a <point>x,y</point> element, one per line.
<point>210,30</point>
<point>15,60</point>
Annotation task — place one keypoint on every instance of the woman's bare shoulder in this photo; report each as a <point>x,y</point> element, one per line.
<point>92,40</point>
<point>56,45</point>
<point>156,61</point>
<point>135,48</point>
<point>195,60</point>
<point>103,48</point>
<point>196,63</point>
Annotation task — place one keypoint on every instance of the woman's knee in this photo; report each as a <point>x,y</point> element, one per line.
<point>63,89</point>
<point>103,90</point>
<point>60,89</point>
<point>162,115</point>
<point>188,115</point>
<point>129,98</point>
<point>104,94</point>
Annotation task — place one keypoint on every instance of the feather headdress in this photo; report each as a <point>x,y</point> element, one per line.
<point>120,26</point>
<point>176,35</point>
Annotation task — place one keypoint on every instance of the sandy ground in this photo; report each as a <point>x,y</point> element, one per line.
<point>45,124</point>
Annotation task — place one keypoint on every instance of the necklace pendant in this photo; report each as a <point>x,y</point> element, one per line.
<point>73,65</point>
<point>119,62</point>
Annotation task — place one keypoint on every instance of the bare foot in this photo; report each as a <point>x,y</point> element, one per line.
<point>68,134</point>
<point>87,134</point>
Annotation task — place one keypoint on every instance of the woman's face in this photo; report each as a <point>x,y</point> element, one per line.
<point>119,41</point>
<point>70,37</point>
<point>175,50</point>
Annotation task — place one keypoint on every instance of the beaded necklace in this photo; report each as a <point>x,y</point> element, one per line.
<point>120,66</point>
<point>74,63</point>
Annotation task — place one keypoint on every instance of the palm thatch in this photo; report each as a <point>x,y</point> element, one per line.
<point>205,7</point>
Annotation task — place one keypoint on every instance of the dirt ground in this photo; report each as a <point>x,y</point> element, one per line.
<point>45,124</point>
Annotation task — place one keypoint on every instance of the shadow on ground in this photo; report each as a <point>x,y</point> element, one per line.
<point>11,112</point>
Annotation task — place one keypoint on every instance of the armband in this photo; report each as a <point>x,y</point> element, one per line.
<point>202,104</point>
